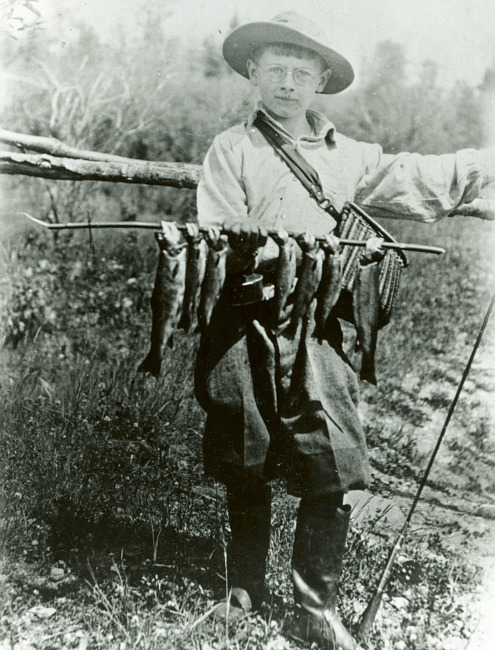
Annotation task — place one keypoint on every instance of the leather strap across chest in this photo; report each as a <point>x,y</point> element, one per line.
<point>299,166</point>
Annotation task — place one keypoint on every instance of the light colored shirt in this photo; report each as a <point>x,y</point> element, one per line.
<point>243,177</point>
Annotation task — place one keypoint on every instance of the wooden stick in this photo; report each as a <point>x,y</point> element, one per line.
<point>179,175</point>
<point>398,246</point>
<point>54,147</point>
<point>417,248</point>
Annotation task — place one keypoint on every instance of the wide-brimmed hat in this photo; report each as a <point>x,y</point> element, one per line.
<point>287,27</point>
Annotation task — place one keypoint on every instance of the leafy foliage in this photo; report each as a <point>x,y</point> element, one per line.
<point>20,16</point>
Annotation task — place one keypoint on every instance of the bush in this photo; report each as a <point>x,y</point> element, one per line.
<point>79,426</point>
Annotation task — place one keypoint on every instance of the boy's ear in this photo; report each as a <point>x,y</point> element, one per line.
<point>251,67</point>
<point>325,76</point>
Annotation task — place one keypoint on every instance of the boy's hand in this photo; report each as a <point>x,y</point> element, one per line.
<point>481,208</point>
<point>245,239</point>
<point>373,251</point>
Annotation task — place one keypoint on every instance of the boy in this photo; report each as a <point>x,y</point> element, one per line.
<point>276,403</point>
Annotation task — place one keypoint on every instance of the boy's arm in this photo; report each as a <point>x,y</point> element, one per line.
<point>425,187</point>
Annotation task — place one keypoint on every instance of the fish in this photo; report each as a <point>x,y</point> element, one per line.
<point>366,305</point>
<point>168,294</point>
<point>195,272</point>
<point>331,283</point>
<point>285,273</point>
<point>309,280</point>
<point>214,276</point>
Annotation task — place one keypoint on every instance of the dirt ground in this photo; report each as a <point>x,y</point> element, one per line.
<point>464,517</point>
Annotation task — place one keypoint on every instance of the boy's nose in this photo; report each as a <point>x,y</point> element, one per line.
<point>288,82</point>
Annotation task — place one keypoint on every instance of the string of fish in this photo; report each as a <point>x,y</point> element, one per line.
<point>191,274</point>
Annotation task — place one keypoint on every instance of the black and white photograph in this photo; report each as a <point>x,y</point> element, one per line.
<point>247,349</point>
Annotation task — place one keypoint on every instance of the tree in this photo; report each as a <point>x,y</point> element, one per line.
<point>20,15</point>
<point>407,109</point>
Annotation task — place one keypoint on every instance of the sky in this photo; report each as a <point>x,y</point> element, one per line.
<point>458,34</point>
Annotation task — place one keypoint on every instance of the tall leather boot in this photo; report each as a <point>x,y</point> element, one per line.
<point>319,546</point>
<point>249,508</point>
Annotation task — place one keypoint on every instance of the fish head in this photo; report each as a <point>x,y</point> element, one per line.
<point>171,233</point>
<point>307,242</point>
<point>216,240</point>
<point>330,244</point>
<point>192,233</point>
<point>281,236</point>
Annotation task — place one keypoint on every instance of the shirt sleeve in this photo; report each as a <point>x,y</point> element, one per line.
<point>221,196</point>
<point>422,187</point>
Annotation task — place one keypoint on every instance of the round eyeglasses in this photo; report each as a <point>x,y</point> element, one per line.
<point>277,73</point>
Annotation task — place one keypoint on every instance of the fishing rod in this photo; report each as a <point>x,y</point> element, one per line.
<point>369,615</point>
<point>416,248</point>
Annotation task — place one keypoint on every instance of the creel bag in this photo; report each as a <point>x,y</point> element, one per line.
<point>355,223</point>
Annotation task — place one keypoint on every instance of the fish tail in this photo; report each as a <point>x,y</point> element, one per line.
<point>319,332</point>
<point>190,322</point>
<point>151,364</point>
<point>185,322</point>
<point>368,369</point>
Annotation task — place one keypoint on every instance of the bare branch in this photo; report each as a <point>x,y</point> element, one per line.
<point>50,75</point>
<point>54,147</point>
<point>174,175</point>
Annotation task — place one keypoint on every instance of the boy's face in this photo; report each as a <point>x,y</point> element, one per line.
<point>285,96</point>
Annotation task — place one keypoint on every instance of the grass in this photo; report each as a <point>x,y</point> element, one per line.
<point>101,471</point>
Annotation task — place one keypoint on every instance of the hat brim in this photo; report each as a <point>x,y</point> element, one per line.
<point>239,44</point>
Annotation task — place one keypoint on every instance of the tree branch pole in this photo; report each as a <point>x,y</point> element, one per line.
<point>179,175</point>
<point>54,147</point>
<point>417,248</point>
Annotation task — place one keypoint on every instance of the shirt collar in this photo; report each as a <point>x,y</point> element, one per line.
<point>322,126</point>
